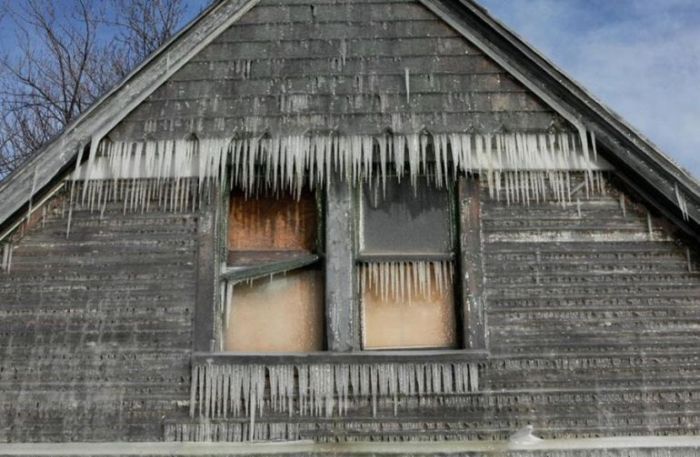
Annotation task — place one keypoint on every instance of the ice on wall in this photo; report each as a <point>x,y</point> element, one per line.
<point>321,390</point>
<point>518,167</point>
<point>6,263</point>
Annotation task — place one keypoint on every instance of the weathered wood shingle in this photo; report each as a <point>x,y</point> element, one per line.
<point>591,317</point>
<point>96,329</point>
<point>298,67</point>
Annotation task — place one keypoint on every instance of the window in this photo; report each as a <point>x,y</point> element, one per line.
<point>275,293</point>
<point>373,267</point>
<point>406,266</point>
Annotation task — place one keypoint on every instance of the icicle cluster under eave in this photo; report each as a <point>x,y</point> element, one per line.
<point>290,163</point>
<point>239,390</point>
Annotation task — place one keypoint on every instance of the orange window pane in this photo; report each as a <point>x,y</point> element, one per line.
<point>272,223</point>
<point>408,305</point>
<point>282,314</point>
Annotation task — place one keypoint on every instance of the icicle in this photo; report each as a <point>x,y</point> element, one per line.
<point>690,260</point>
<point>31,194</point>
<point>405,281</point>
<point>343,51</point>
<point>321,389</point>
<point>650,228</point>
<point>407,82</point>
<point>682,203</point>
<point>6,257</point>
<point>623,205</point>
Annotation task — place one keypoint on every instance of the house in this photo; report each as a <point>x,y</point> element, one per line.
<point>349,223</point>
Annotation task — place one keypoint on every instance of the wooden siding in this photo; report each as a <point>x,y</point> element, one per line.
<point>290,67</point>
<point>592,318</point>
<point>592,327</point>
<point>96,329</point>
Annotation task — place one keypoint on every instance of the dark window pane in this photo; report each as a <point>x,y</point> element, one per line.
<point>405,219</point>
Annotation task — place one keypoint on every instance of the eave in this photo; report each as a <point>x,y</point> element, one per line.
<point>641,164</point>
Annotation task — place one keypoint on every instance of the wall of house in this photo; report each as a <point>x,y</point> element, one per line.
<point>96,327</point>
<point>592,311</point>
<point>592,322</point>
<point>592,316</point>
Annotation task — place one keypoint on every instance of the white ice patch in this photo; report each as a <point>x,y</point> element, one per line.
<point>518,167</point>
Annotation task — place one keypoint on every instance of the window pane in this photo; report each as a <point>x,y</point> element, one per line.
<point>283,314</point>
<point>272,223</point>
<point>405,219</point>
<point>408,305</point>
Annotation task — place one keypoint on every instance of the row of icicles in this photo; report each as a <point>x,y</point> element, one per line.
<point>518,167</point>
<point>321,389</point>
<point>406,281</point>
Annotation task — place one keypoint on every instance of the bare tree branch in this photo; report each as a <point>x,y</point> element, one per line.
<point>65,59</point>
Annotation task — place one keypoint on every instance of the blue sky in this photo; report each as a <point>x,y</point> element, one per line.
<point>640,57</point>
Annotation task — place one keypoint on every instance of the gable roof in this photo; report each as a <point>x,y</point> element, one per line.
<point>640,164</point>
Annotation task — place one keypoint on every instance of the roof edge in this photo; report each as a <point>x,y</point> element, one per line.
<point>629,149</point>
<point>59,153</point>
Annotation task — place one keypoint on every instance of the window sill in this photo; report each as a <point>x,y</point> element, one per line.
<point>367,357</point>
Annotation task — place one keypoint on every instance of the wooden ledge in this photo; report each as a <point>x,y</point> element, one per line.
<point>366,357</point>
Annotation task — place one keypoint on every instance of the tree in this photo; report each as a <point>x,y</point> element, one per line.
<point>143,26</point>
<point>64,60</point>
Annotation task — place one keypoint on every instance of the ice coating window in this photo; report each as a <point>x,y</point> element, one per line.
<point>406,266</point>
<point>274,284</point>
<point>282,314</point>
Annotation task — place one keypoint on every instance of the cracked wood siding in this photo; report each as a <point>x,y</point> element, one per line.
<point>289,67</point>
<point>96,329</point>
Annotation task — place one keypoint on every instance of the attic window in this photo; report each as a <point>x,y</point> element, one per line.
<point>275,293</point>
<point>406,266</point>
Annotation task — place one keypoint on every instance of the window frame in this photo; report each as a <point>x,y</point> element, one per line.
<point>293,261</point>
<point>453,256</point>
<point>337,221</point>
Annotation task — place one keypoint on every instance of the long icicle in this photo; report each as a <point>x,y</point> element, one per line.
<point>290,163</point>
